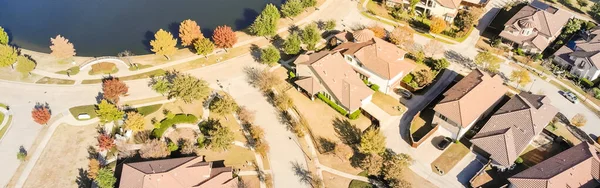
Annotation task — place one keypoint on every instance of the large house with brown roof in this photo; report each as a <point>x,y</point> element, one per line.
<point>376,60</point>
<point>534,26</point>
<point>578,166</point>
<point>327,72</point>
<point>185,172</point>
<point>446,9</point>
<point>466,102</point>
<point>513,127</point>
<point>582,58</point>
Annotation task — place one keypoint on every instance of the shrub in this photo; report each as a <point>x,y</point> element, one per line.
<point>496,42</point>
<point>519,51</point>
<point>154,149</point>
<point>166,123</point>
<point>537,57</point>
<point>596,92</point>
<point>21,155</point>
<point>332,104</point>
<point>587,83</point>
<point>519,160</point>
<point>291,74</point>
<point>103,68</point>
<point>408,78</point>
<point>355,114</point>
<point>173,146</point>
<point>440,64</point>
<point>201,140</point>
<point>374,87</point>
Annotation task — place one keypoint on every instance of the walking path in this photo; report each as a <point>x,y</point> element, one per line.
<point>5,120</point>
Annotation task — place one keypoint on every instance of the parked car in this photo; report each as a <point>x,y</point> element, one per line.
<point>405,93</point>
<point>444,143</point>
<point>570,96</point>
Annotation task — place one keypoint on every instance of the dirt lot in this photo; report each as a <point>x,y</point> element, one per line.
<point>332,180</point>
<point>251,181</point>
<point>64,158</point>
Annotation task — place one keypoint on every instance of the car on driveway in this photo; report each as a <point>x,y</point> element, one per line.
<point>444,143</point>
<point>570,96</point>
<point>405,93</point>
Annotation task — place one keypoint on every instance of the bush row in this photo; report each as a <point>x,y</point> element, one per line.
<point>332,104</point>
<point>166,123</point>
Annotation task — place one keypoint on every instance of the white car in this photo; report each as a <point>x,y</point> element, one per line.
<point>570,96</point>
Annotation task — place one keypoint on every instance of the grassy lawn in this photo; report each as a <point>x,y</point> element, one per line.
<point>147,110</point>
<point>2,105</point>
<point>562,131</point>
<point>144,101</point>
<point>92,72</point>
<point>74,70</point>
<point>251,181</point>
<point>388,104</point>
<point>416,124</point>
<point>229,121</point>
<point>533,155</point>
<point>360,184</point>
<point>88,109</point>
<point>378,9</point>
<point>451,156</point>
<point>5,128</point>
<point>421,124</point>
<point>48,80</point>
<point>236,157</point>
<point>139,67</point>
<point>158,72</point>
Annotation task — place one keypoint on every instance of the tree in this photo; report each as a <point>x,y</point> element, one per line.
<point>433,47</point>
<point>520,76</point>
<point>108,112</point>
<point>187,147</point>
<point>403,36</point>
<point>269,56</point>
<point>189,31</point>
<point>595,9</point>
<point>582,3</point>
<point>413,6</point>
<point>423,77</point>
<point>154,149</point>
<point>105,142</point>
<point>134,121</point>
<point>283,102</point>
<point>572,26</point>
<point>488,61</point>
<point>25,65</point>
<point>579,120</point>
<point>161,86</point>
<point>329,25</point>
<point>3,37</point>
<point>437,25</point>
<point>372,164</point>
<point>263,79</point>
<point>204,47</point>
<point>291,45</point>
<point>372,142</point>
<point>343,151</point>
<point>22,155</point>
<point>378,31</point>
<point>41,114</point>
<point>61,47</point>
<point>221,137</point>
<point>466,18</point>
<point>8,55</point>
<point>188,88</point>
<point>105,178</point>
<point>163,43</point>
<point>394,165</point>
<point>310,36</point>
<point>309,3</point>
<point>266,23</point>
<point>93,168</point>
<point>245,115</point>
<point>224,37</point>
<point>440,64</point>
<point>223,104</point>
<point>113,88</point>
<point>291,8</point>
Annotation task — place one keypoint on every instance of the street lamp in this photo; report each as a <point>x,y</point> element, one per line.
<point>532,84</point>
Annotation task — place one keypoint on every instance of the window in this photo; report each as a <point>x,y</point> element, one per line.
<point>443,117</point>
<point>348,58</point>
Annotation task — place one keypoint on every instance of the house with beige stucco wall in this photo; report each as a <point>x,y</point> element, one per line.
<point>446,9</point>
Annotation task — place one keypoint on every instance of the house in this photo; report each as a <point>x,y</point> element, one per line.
<point>582,58</point>
<point>446,9</point>
<point>466,102</point>
<point>578,166</point>
<point>327,73</point>
<point>513,127</point>
<point>185,172</point>
<point>377,61</point>
<point>534,27</point>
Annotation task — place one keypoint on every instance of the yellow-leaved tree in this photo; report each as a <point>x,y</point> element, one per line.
<point>437,25</point>
<point>163,43</point>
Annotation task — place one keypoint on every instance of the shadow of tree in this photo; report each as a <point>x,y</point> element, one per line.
<point>349,134</point>
<point>255,51</point>
<point>304,175</point>
<point>82,180</point>
<point>326,144</point>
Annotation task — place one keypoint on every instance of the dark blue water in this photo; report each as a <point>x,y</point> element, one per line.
<point>107,27</point>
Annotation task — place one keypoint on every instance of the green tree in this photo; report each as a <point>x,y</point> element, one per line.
<point>8,55</point>
<point>372,142</point>
<point>330,24</point>
<point>3,37</point>
<point>440,64</point>
<point>108,112</point>
<point>488,61</point>
<point>223,104</point>
<point>309,3</point>
<point>291,8</point>
<point>572,26</point>
<point>188,88</point>
<point>269,56</point>
<point>204,46</point>
<point>582,3</point>
<point>595,9</point>
<point>25,65</point>
<point>266,23</point>
<point>423,77</point>
<point>291,45</point>
<point>311,36</point>
<point>163,43</point>
<point>520,76</point>
<point>105,178</point>
<point>161,86</point>
<point>221,137</point>
<point>413,6</point>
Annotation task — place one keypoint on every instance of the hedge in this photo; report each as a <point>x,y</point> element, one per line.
<point>355,114</point>
<point>408,78</point>
<point>166,123</point>
<point>374,87</point>
<point>332,104</point>
<point>587,83</point>
<point>291,74</point>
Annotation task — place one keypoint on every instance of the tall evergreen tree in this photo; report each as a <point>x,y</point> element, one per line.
<point>266,23</point>
<point>291,8</point>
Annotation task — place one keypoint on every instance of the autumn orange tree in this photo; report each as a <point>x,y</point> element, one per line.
<point>189,31</point>
<point>224,37</point>
<point>378,31</point>
<point>105,142</point>
<point>403,36</point>
<point>61,47</point>
<point>41,114</point>
<point>113,88</point>
<point>437,25</point>
<point>163,43</point>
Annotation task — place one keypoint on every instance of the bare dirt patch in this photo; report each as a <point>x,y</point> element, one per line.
<point>332,180</point>
<point>183,134</point>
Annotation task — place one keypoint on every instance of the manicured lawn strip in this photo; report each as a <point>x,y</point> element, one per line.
<point>48,80</point>
<point>166,123</point>
<point>158,72</point>
<point>2,105</point>
<point>145,101</point>
<point>388,104</point>
<point>74,70</point>
<point>88,109</point>
<point>450,157</point>
<point>5,128</point>
<point>416,124</point>
<point>147,110</point>
<point>139,67</point>
<point>360,184</point>
<point>92,72</point>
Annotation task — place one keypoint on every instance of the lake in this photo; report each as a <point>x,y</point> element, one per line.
<point>107,27</point>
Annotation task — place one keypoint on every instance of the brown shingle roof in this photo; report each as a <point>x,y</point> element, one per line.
<point>508,132</point>
<point>453,4</point>
<point>309,84</point>
<point>575,167</point>
<point>471,97</point>
<point>588,47</point>
<point>185,172</point>
<point>546,24</point>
